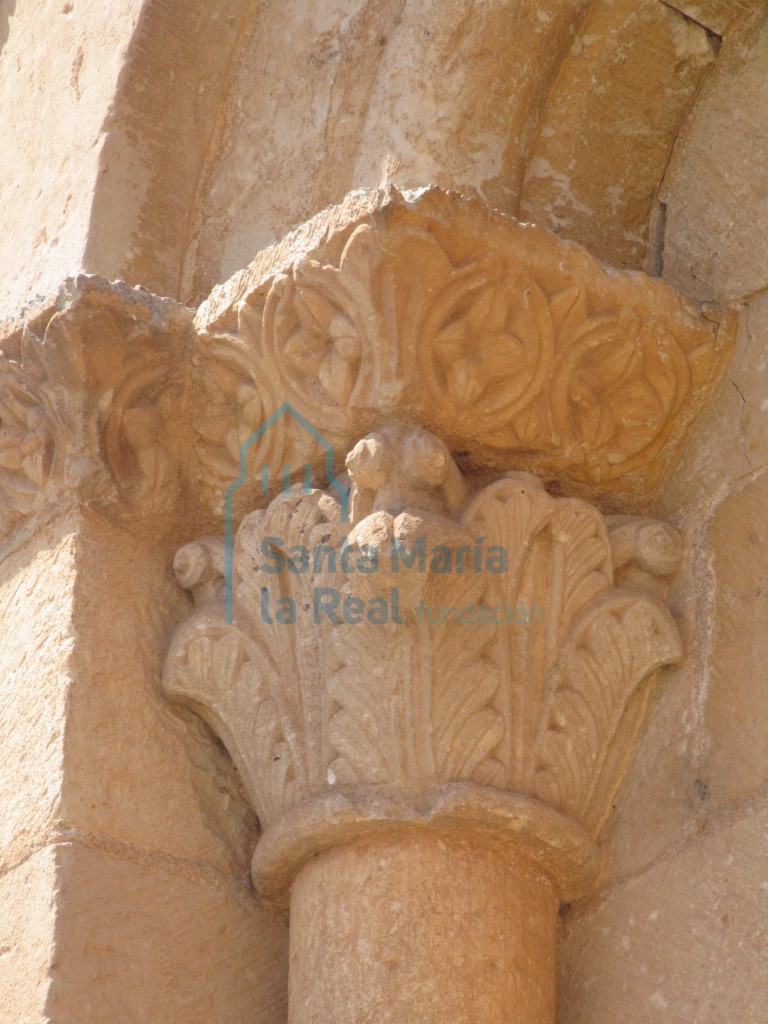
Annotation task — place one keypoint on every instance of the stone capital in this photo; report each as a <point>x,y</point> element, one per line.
<point>431,671</point>
<point>431,691</point>
<point>446,656</point>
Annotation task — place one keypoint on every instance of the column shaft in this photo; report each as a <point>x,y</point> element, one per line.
<point>422,930</point>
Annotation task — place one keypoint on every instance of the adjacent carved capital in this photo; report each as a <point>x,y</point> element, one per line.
<point>449,653</point>
<point>92,403</point>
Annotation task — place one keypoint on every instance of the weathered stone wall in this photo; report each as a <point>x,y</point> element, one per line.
<point>125,840</point>
<point>680,929</point>
<point>36,590</point>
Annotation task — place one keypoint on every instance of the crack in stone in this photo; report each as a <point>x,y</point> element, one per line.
<point>743,426</point>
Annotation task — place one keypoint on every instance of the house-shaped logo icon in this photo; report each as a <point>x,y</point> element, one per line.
<point>286,409</point>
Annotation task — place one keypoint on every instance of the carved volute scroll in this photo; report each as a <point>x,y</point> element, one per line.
<point>500,639</point>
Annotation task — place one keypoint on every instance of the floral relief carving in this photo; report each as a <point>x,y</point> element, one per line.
<point>239,392</point>
<point>377,683</point>
<point>132,350</point>
<point>315,323</point>
<point>515,348</point>
<point>28,430</point>
<point>480,362</point>
<point>233,409</point>
<point>139,423</point>
<point>495,335</point>
<point>92,402</point>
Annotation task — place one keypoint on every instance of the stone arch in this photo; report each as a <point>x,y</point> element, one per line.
<point>221,138</point>
<point>402,92</point>
<point>155,138</point>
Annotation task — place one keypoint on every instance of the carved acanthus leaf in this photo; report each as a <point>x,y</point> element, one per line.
<point>228,679</point>
<point>423,712</point>
<point>397,688</point>
<point>611,650</point>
